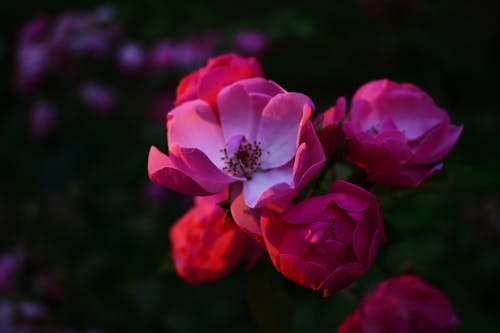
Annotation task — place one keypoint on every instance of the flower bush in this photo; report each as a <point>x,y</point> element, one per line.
<point>254,141</point>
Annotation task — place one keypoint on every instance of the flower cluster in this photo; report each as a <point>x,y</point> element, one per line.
<point>253,144</point>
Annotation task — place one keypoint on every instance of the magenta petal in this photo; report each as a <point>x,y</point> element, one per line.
<point>262,86</point>
<point>307,211</point>
<point>342,277</point>
<point>196,164</point>
<point>194,124</point>
<point>309,158</point>
<point>296,270</point>
<point>360,242</point>
<point>237,115</point>
<point>408,176</point>
<point>164,173</point>
<point>318,273</point>
<point>436,144</point>
<point>248,219</point>
<point>343,229</point>
<point>279,127</point>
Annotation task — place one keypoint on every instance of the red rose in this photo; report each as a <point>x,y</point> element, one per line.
<point>205,245</point>
<point>205,83</point>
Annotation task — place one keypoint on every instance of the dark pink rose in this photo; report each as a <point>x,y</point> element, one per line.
<point>330,130</point>
<point>260,142</point>
<point>205,83</point>
<point>206,245</point>
<point>403,304</point>
<point>326,242</point>
<point>397,134</point>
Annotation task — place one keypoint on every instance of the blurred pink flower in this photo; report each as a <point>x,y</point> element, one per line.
<point>251,42</point>
<point>131,58</point>
<point>100,97</point>
<point>42,118</point>
<point>10,264</point>
<point>397,133</point>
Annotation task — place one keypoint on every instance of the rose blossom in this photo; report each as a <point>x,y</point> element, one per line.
<point>206,82</point>
<point>261,142</point>
<point>330,134</point>
<point>396,131</point>
<point>403,304</point>
<point>206,245</point>
<point>325,242</point>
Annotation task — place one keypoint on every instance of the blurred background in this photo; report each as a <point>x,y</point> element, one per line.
<point>84,234</point>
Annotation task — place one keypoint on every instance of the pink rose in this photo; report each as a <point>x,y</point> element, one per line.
<point>330,133</point>
<point>260,142</point>
<point>397,133</point>
<point>403,304</point>
<point>205,244</point>
<point>206,82</point>
<point>326,242</point>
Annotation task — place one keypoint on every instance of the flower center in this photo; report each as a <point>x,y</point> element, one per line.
<point>244,161</point>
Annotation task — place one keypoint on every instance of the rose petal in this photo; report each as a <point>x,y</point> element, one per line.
<point>194,124</point>
<point>279,126</point>
<point>164,173</point>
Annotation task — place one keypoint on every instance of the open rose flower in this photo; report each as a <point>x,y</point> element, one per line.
<point>325,242</point>
<point>403,304</point>
<point>206,82</point>
<point>397,133</point>
<point>205,244</point>
<point>330,132</point>
<point>260,142</point>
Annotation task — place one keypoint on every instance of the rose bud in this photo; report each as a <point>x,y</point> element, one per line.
<point>205,83</point>
<point>403,304</point>
<point>330,130</point>
<point>397,133</point>
<point>325,242</point>
<point>207,245</point>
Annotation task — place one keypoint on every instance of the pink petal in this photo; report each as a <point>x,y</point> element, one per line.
<point>194,124</point>
<point>407,176</point>
<point>261,86</point>
<point>309,158</point>
<point>248,219</point>
<point>237,115</point>
<point>279,128</point>
<point>164,173</point>
<point>436,144</point>
<point>196,164</point>
<point>268,186</point>
<point>307,211</point>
